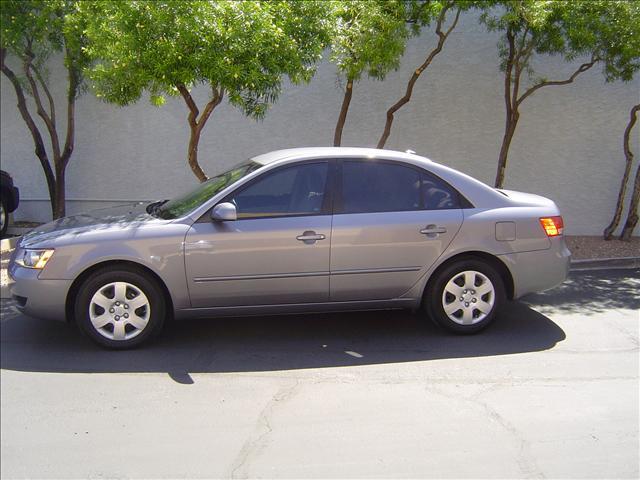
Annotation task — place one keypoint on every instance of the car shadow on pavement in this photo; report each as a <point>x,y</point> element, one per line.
<point>276,343</point>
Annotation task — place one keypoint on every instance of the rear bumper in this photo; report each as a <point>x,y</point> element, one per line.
<point>539,270</point>
<point>38,298</point>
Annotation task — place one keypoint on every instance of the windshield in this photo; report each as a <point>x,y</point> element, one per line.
<point>183,204</point>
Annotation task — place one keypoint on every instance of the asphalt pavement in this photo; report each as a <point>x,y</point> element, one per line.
<point>550,390</point>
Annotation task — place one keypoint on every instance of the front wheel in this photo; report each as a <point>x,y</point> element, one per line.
<point>120,307</point>
<point>465,296</point>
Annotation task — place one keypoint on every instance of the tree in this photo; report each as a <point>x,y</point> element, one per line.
<point>632,215</point>
<point>370,37</point>
<point>33,31</point>
<point>617,215</point>
<point>422,14</point>
<point>605,32</point>
<point>237,49</point>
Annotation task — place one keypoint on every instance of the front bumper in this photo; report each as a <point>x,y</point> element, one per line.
<point>35,297</point>
<point>539,270</point>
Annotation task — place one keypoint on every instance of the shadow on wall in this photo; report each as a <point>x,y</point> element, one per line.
<point>271,343</point>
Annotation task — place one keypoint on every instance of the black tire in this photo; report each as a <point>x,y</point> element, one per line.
<point>4,217</point>
<point>434,302</point>
<point>136,279</point>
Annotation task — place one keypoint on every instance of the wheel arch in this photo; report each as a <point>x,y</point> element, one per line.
<point>74,289</point>
<point>494,261</point>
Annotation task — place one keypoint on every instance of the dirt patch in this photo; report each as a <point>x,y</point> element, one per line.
<point>588,247</point>
<point>26,224</point>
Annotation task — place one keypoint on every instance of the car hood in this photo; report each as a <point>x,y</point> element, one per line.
<point>123,219</point>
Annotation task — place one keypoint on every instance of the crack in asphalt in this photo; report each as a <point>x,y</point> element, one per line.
<point>258,440</point>
<point>526,461</point>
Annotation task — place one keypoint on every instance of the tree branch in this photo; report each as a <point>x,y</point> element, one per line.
<point>455,22</point>
<point>508,71</point>
<point>52,107</point>
<point>442,37</point>
<point>522,43</point>
<point>582,68</point>
<point>417,14</point>
<point>191,104</point>
<point>53,134</point>
<point>208,109</point>
<point>72,93</point>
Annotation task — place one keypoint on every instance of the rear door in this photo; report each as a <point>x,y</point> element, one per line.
<point>391,222</point>
<point>276,252</point>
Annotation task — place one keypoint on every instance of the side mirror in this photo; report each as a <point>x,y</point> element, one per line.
<point>224,212</point>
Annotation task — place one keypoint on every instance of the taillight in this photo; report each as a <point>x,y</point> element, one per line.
<point>553,226</point>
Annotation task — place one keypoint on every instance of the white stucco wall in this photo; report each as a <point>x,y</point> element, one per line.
<point>568,145</point>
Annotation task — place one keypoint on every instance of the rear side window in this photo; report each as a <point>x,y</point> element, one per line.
<point>369,186</point>
<point>438,195</point>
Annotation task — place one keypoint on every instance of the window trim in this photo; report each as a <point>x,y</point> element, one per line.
<point>327,200</point>
<point>338,183</point>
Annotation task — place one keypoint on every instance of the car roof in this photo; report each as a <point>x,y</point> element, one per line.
<point>332,152</point>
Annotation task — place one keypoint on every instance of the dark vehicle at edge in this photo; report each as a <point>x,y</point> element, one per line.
<point>9,200</point>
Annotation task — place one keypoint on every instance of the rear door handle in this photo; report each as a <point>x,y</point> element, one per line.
<point>433,230</point>
<point>309,237</point>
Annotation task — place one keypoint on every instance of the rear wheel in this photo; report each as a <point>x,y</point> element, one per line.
<point>465,296</point>
<point>120,307</point>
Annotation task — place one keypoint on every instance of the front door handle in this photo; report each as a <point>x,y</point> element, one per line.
<point>310,237</point>
<point>433,230</point>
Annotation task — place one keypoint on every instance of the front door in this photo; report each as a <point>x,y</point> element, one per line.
<point>276,252</point>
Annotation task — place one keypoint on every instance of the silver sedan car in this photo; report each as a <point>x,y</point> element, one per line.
<point>299,230</point>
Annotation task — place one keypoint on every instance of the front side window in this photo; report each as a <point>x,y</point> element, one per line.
<point>289,191</point>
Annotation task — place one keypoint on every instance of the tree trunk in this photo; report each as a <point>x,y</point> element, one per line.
<point>40,151</point>
<point>196,124</point>
<point>632,216</point>
<point>62,160</point>
<point>337,136</point>
<point>192,156</point>
<point>60,209</point>
<point>509,131</point>
<point>608,232</point>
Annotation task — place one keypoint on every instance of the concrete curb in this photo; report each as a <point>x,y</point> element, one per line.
<point>7,244</point>
<point>605,263</point>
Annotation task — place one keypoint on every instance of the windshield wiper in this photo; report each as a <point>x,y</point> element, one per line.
<point>153,207</point>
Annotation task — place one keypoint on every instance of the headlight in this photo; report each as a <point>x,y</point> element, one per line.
<point>34,258</point>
